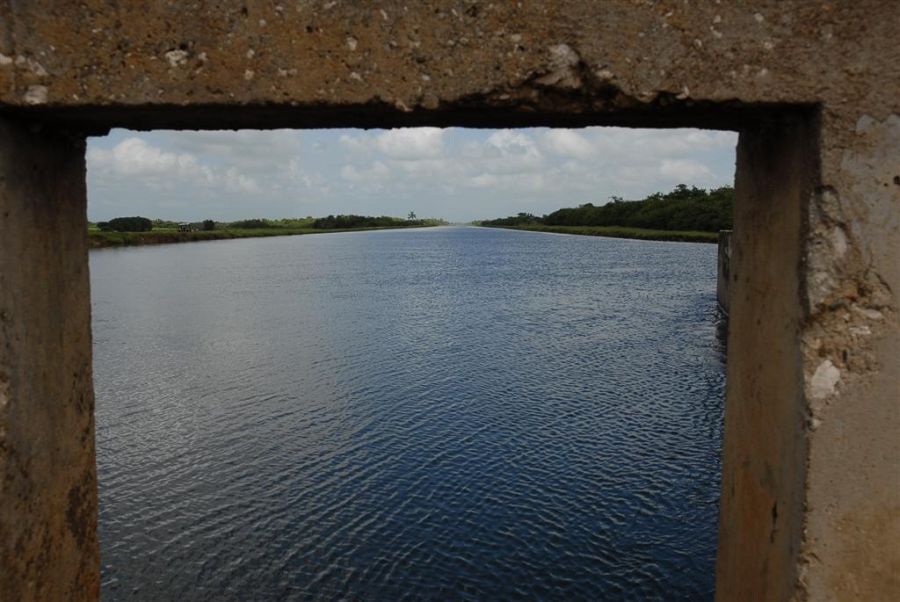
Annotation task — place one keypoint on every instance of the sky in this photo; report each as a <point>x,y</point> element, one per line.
<point>453,173</point>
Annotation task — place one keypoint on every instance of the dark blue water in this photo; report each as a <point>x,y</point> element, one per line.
<point>442,414</point>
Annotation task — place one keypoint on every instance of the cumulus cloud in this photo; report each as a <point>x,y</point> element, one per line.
<point>402,144</point>
<point>377,172</point>
<point>633,144</point>
<point>504,152</point>
<point>504,159</point>
<point>636,162</point>
<point>569,143</point>
<point>455,173</point>
<point>263,150</point>
<point>135,160</point>
<point>507,182</point>
<point>515,148</point>
<point>135,157</point>
<point>411,144</point>
<point>684,170</point>
<point>235,181</point>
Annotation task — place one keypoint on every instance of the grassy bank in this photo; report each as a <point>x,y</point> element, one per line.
<point>98,239</point>
<point>619,232</point>
<point>685,214</point>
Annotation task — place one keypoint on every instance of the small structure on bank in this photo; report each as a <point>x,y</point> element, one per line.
<point>724,270</point>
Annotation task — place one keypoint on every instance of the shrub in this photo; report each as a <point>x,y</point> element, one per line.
<point>126,224</point>
<point>681,209</point>
<point>252,224</point>
<point>358,221</point>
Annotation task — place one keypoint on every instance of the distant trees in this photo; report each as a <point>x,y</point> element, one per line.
<point>684,208</point>
<point>163,224</point>
<point>126,224</point>
<point>258,223</point>
<point>411,216</point>
<point>367,221</point>
<point>250,224</point>
<point>357,221</point>
<point>142,224</point>
<point>520,219</point>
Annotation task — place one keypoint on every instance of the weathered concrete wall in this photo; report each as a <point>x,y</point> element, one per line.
<point>851,352</point>
<point>811,478</point>
<point>335,62</point>
<point>723,269</point>
<point>48,500</point>
<point>764,467</point>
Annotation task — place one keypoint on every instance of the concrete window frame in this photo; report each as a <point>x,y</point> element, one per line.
<point>810,504</point>
<point>774,176</point>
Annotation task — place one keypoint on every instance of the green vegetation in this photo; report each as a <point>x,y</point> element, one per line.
<point>126,224</point>
<point>119,239</point>
<point>364,221</point>
<point>622,232</point>
<point>162,224</point>
<point>164,231</point>
<point>685,213</point>
<point>250,224</point>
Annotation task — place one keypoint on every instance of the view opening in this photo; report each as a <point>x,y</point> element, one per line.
<point>444,396</point>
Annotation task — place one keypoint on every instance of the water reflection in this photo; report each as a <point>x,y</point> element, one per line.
<point>450,413</point>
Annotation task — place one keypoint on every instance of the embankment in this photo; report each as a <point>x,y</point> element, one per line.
<point>621,232</point>
<point>97,239</point>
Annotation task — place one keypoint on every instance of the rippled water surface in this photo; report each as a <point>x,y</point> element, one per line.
<point>450,413</point>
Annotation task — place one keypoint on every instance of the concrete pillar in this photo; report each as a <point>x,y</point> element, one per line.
<point>851,350</point>
<point>763,473</point>
<point>48,486</point>
<point>811,471</point>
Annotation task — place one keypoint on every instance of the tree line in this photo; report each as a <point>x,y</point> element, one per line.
<point>143,224</point>
<point>683,208</point>
<point>367,221</point>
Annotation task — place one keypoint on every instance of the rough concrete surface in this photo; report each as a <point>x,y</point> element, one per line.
<point>763,457</point>
<point>48,492</point>
<point>723,269</point>
<point>811,475</point>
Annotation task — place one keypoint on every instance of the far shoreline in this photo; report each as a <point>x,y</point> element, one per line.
<point>619,232</point>
<point>117,240</point>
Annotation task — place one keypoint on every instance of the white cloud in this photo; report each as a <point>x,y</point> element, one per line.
<point>419,159</point>
<point>600,162</point>
<point>507,152</point>
<point>507,182</point>
<point>135,157</point>
<point>685,170</point>
<point>569,143</point>
<point>402,144</point>
<point>411,143</point>
<point>633,144</point>
<point>135,162</point>
<point>377,172</point>
<point>511,142</point>
<point>264,150</point>
<point>359,143</point>
<point>460,174</point>
<point>237,182</point>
